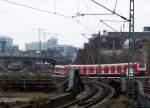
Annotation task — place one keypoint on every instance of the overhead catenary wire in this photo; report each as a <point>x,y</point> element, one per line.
<point>55,6</point>
<point>124,26</point>
<point>114,21</point>
<point>87,19</point>
<point>45,11</point>
<point>115,5</point>
<point>108,25</point>
<point>118,21</point>
<point>85,3</point>
<point>84,35</point>
<point>83,14</point>
<point>87,10</point>
<point>30,7</point>
<point>82,25</point>
<point>110,10</point>
<point>112,13</point>
<point>78,11</point>
<point>78,8</point>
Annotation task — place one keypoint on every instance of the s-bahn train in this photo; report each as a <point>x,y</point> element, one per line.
<point>110,70</point>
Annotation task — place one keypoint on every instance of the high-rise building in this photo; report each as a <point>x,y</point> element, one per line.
<point>52,49</point>
<point>52,42</point>
<point>41,45</point>
<point>5,43</point>
<point>32,46</point>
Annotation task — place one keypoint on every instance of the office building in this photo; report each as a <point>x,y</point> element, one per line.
<point>5,44</point>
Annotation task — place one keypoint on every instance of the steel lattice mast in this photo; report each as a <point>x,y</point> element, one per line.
<point>131,54</point>
<point>131,35</point>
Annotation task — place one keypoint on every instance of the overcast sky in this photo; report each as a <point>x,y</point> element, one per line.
<point>22,23</point>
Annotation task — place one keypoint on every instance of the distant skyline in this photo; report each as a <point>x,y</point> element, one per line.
<point>22,24</point>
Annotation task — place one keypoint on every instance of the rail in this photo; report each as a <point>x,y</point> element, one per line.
<point>97,93</point>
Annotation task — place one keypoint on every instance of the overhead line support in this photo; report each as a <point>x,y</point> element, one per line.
<point>111,10</point>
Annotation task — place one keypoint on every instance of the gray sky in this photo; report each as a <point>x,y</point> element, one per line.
<point>22,23</point>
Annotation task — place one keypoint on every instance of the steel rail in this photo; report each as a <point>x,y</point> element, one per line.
<point>93,97</point>
<point>146,89</point>
<point>84,100</point>
<point>99,98</point>
<point>89,94</point>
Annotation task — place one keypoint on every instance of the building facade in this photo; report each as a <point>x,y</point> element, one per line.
<point>5,44</point>
<point>41,45</point>
<point>112,47</point>
<point>52,49</point>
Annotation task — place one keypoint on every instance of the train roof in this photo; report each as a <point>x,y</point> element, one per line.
<point>72,65</point>
<point>88,65</point>
<point>98,64</point>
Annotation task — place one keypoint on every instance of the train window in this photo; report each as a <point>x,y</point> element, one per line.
<point>83,70</point>
<point>101,69</point>
<point>112,69</point>
<point>141,65</point>
<point>106,70</point>
<point>125,68</point>
<point>91,69</point>
<point>119,69</point>
<point>97,69</point>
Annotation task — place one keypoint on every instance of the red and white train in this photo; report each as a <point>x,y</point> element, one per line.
<point>111,70</point>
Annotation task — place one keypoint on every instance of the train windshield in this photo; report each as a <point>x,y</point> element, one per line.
<point>142,65</point>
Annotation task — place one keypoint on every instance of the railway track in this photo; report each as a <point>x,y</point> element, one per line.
<point>146,89</point>
<point>96,94</point>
